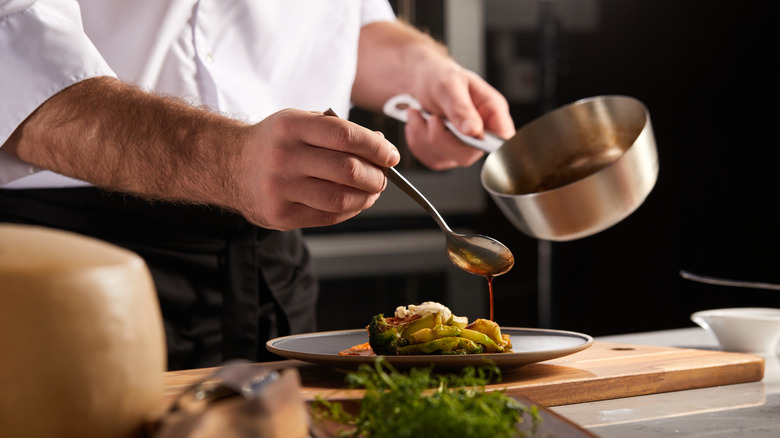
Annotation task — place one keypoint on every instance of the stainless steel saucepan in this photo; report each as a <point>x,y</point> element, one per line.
<point>570,173</point>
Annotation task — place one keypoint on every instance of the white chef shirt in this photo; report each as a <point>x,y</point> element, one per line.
<point>244,58</point>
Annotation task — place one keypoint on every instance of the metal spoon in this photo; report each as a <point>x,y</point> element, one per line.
<point>474,253</point>
<point>723,282</point>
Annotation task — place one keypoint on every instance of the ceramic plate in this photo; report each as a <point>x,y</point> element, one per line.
<point>529,346</point>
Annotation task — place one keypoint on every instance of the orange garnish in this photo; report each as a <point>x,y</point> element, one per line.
<point>358,350</point>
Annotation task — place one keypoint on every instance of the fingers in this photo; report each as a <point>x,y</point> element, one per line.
<point>492,106</point>
<point>455,102</point>
<point>434,146</point>
<point>337,167</point>
<point>472,105</point>
<point>302,169</point>
<point>307,217</point>
<point>341,135</point>
<point>289,203</point>
<point>329,197</point>
<point>308,202</point>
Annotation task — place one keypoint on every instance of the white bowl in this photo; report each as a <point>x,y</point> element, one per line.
<point>742,329</point>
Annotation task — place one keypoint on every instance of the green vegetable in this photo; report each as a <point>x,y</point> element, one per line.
<point>428,321</point>
<point>430,335</point>
<point>443,331</point>
<point>447,345</point>
<point>489,328</point>
<point>455,323</point>
<point>441,345</point>
<point>422,404</point>
<point>480,338</point>
<point>424,335</point>
<point>386,339</point>
<point>383,337</point>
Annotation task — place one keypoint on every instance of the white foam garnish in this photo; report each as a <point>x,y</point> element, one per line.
<point>426,308</point>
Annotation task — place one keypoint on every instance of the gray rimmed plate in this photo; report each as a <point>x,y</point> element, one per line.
<point>528,345</point>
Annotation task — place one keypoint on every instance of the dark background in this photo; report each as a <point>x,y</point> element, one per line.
<point>704,69</point>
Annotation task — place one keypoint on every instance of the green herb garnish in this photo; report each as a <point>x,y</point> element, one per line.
<point>423,404</point>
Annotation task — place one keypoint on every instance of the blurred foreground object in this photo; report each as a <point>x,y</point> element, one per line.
<point>239,400</point>
<point>83,345</point>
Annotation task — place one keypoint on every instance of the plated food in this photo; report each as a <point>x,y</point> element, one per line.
<point>430,328</point>
<point>529,346</point>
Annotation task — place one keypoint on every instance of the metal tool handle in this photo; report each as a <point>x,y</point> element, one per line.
<point>724,282</point>
<point>403,184</point>
<point>397,106</point>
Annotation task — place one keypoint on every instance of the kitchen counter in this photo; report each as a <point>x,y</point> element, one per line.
<point>744,410</point>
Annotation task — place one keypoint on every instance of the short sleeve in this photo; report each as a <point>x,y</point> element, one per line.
<point>44,50</point>
<point>376,10</point>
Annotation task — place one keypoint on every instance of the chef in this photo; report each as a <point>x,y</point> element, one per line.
<point>192,132</point>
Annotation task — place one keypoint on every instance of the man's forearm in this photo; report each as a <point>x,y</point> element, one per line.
<point>395,58</point>
<point>388,56</point>
<point>116,136</point>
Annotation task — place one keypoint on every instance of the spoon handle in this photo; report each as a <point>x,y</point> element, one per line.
<point>399,180</point>
<point>396,107</point>
<point>723,282</point>
<point>403,184</point>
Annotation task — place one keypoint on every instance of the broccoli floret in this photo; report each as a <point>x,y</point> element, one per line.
<point>383,337</point>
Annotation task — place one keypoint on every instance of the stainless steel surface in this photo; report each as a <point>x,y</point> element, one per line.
<point>577,170</point>
<point>744,410</point>
<point>474,253</point>
<point>572,172</point>
<point>724,282</point>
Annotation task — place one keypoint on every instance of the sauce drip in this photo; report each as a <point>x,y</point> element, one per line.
<point>490,291</point>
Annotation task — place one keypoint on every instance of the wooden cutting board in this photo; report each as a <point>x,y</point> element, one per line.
<point>608,371</point>
<point>603,371</point>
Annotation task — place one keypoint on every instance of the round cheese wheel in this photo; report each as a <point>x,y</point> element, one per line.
<point>82,347</point>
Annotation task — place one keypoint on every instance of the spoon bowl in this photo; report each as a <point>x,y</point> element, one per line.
<point>478,254</point>
<point>474,253</point>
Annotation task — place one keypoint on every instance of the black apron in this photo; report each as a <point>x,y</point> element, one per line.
<point>225,286</point>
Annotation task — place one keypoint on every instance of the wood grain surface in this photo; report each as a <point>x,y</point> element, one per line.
<point>603,371</point>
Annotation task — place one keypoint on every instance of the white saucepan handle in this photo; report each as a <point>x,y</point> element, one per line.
<point>396,107</point>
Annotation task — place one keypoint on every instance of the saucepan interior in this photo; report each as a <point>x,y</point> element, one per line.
<point>576,170</point>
